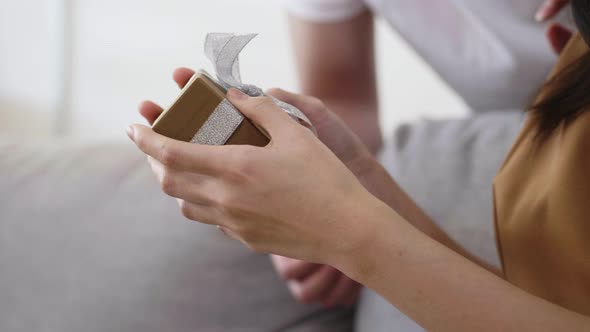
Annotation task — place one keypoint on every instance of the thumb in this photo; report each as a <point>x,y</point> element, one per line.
<point>312,107</point>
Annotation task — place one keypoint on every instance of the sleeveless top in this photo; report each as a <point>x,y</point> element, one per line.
<point>542,208</point>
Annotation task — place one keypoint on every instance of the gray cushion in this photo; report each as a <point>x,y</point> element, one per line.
<point>448,167</point>
<point>89,243</point>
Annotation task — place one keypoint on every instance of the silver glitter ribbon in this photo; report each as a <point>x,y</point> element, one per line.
<point>223,49</point>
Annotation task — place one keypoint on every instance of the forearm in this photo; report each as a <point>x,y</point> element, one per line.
<point>336,64</point>
<point>442,290</point>
<point>378,181</point>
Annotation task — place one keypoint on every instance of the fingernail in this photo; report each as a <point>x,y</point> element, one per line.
<point>130,132</point>
<point>237,94</point>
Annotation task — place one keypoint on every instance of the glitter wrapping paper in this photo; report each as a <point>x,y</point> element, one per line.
<point>223,50</point>
<point>220,125</point>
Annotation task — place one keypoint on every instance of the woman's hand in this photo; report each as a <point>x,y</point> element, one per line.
<point>309,282</point>
<point>294,197</point>
<point>332,131</point>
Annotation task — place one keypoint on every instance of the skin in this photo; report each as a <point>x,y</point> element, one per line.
<point>336,63</point>
<point>355,101</point>
<point>308,282</point>
<point>376,242</point>
<point>549,9</point>
<point>316,283</point>
<point>557,34</point>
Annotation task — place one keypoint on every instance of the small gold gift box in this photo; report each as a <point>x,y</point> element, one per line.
<point>202,114</point>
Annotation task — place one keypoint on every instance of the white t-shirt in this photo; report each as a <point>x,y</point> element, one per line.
<point>492,52</point>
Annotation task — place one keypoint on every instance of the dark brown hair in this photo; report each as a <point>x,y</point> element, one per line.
<point>568,91</point>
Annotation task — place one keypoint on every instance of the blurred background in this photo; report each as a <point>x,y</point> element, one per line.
<point>79,68</point>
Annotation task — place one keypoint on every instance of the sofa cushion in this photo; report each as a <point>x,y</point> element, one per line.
<point>447,167</point>
<point>89,243</point>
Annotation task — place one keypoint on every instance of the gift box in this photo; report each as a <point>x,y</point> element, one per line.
<point>202,114</point>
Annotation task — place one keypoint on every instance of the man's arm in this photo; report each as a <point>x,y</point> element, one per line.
<point>336,64</point>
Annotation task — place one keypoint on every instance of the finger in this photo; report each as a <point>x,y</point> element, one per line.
<point>549,9</point>
<point>329,126</point>
<point>340,295</point>
<point>293,269</point>
<point>229,233</point>
<point>286,96</point>
<point>558,36</point>
<point>192,187</point>
<point>179,155</point>
<point>150,111</point>
<point>316,286</point>
<point>262,111</point>
<point>182,76</point>
<point>199,213</point>
<point>310,106</point>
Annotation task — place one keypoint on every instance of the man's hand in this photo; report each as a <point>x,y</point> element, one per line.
<point>558,37</point>
<point>151,111</point>
<point>313,283</point>
<point>549,9</point>
<point>557,34</point>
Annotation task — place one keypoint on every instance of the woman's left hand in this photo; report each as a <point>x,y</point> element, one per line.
<point>293,197</point>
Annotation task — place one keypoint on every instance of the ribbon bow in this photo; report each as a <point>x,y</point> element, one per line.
<point>223,49</point>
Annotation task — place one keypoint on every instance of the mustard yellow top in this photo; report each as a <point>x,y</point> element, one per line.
<point>542,207</point>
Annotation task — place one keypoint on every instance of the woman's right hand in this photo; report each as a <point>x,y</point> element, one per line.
<point>308,282</point>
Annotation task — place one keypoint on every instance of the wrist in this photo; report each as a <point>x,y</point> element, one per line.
<point>364,167</point>
<point>377,181</point>
<point>372,226</point>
